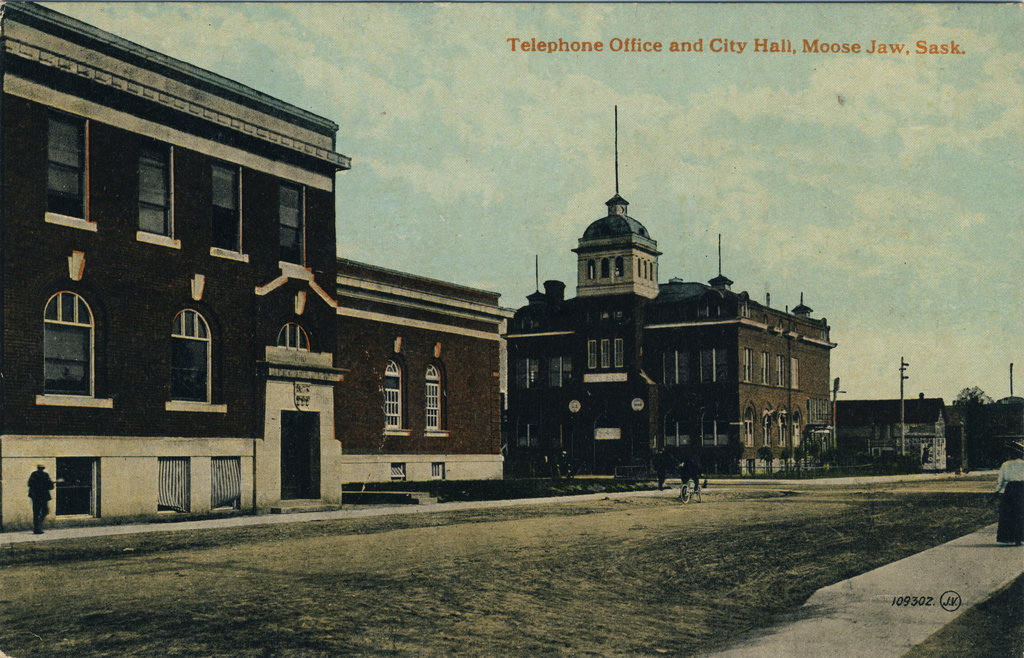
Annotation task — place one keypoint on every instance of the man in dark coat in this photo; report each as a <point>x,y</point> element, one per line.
<point>39,487</point>
<point>661,467</point>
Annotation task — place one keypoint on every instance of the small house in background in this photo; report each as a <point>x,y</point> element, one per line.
<point>873,427</point>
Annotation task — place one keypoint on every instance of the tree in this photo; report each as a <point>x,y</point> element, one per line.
<point>971,395</point>
<point>767,456</point>
<point>800,454</point>
<point>979,446</point>
<point>785,455</point>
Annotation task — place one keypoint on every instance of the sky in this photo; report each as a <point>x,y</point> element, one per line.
<point>888,189</point>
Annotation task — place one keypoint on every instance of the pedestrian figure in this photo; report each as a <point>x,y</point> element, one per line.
<point>1011,506</point>
<point>39,487</point>
<point>661,467</point>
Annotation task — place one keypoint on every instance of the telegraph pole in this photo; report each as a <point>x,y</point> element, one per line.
<point>835,423</point>
<point>903,427</point>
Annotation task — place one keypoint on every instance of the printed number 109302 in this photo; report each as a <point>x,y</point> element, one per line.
<point>913,601</point>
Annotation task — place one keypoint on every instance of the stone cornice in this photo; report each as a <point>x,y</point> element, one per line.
<point>122,83</point>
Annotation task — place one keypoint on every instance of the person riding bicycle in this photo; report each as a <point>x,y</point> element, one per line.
<point>689,470</point>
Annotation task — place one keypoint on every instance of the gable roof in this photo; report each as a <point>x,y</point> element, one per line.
<point>887,412</point>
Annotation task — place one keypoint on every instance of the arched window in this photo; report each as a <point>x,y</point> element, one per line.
<point>748,427</point>
<point>604,268</point>
<point>434,393</point>
<point>766,430</point>
<point>783,430</point>
<point>796,428</point>
<point>67,345</point>
<point>393,396</point>
<point>293,337</point>
<point>618,266</point>
<point>591,269</point>
<point>190,358</point>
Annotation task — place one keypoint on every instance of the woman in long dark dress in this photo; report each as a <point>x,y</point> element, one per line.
<point>1011,506</point>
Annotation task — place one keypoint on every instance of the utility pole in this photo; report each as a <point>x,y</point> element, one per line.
<point>903,427</point>
<point>835,424</point>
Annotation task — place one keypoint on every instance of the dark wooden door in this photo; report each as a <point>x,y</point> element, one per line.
<point>300,454</point>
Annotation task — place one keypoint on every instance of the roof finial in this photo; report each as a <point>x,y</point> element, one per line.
<point>616,149</point>
<point>536,272</point>
<point>719,254</point>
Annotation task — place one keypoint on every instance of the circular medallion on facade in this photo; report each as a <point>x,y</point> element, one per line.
<point>575,406</point>
<point>637,404</point>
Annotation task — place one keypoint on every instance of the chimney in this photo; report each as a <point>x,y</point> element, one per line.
<point>555,291</point>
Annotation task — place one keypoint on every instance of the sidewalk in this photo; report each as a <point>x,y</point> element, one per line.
<point>354,512</point>
<point>857,617</point>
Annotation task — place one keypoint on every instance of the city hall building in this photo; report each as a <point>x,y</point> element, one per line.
<point>631,365</point>
<point>173,335</point>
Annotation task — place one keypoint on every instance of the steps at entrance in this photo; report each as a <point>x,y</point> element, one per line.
<point>297,506</point>
<point>387,498</point>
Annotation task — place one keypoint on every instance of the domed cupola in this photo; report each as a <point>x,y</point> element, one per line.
<point>616,255</point>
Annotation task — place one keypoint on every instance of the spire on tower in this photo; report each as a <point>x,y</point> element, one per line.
<point>616,150</point>
<point>720,282</point>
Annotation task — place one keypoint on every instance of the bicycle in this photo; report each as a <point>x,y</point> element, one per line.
<point>689,491</point>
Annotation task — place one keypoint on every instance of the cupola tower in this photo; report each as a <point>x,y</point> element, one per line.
<point>616,254</point>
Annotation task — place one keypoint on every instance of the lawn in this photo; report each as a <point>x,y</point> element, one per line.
<point>639,575</point>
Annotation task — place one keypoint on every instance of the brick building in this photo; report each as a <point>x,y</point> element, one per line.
<point>630,365</point>
<point>421,397</point>
<point>163,303</point>
<point>873,427</point>
<point>172,337</point>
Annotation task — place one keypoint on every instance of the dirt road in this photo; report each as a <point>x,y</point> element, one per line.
<point>628,576</point>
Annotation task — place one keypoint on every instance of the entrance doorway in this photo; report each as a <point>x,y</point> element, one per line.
<point>300,455</point>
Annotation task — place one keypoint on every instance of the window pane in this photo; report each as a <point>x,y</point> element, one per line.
<point>225,187</point>
<point>706,366</point>
<point>432,404</point>
<point>65,182</point>
<point>52,307</point>
<point>153,220</point>
<point>289,206</point>
<point>65,142</point>
<point>291,245</point>
<point>152,179</point>
<point>188,369</point>
<point>721,365</point>
<point>67,307</point>
<point>290,223</point>
<point>226,229</point>
<point>154,199</point>
<point>66,359</point>
<point>83,313</point>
